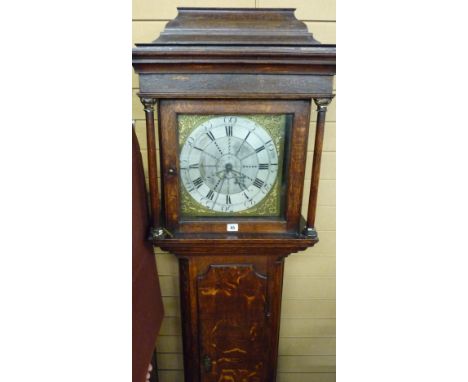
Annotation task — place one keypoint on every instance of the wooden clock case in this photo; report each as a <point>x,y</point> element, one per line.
<point>233,61</point>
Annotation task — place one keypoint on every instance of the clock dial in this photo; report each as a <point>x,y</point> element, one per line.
<point>229,164</point>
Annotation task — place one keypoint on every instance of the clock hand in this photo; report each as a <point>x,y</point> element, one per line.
<point>239,180</point>
<point>217,196</point>
<point>237,152</point>
<point>210,155</point>
<point>252,153</point>
<point>241,174</point>
<point>222,171</point>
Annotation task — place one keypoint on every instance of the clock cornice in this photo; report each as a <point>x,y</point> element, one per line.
<point>235,40</point>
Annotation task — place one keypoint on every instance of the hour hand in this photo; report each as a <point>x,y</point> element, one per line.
<point>221,172</point>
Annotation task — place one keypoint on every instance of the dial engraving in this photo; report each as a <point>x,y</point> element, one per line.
<point>227,159</point>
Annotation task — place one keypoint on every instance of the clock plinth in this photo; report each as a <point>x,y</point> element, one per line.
<point>233,89</point>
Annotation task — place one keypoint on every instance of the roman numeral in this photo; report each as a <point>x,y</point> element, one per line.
<point>228,130</point>
<point>210,195</point>
<point>258,183</point>
<point>198,182</point>
<point>260,149</point>
<point>198,148</point>
<point>210,135</point>
<point>246,196</point>
<point>196,165</point>
<point>228,199</point>
<point>263,166</point>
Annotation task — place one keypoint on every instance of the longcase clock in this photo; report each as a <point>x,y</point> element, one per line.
<point>233,90</point>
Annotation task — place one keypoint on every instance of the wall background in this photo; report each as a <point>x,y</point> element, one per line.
<point>307,337</point>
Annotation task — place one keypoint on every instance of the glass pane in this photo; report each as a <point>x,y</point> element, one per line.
<point>232,165</point>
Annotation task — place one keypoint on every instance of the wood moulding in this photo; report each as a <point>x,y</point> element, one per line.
<point>202,245</point>
<point>235,40</point>
<point>236,26</point>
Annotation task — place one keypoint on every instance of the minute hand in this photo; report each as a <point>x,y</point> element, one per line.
<point>241,175</point>
<point>252,153</point>
<point>237,152</point>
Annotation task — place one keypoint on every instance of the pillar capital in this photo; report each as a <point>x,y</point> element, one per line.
<point>148,103</point>
<point>322,103</point>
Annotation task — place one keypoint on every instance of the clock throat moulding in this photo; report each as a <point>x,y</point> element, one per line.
<point>233,89</point>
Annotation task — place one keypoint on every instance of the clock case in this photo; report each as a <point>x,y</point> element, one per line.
<point>233,60</point>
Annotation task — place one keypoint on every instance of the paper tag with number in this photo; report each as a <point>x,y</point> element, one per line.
<point>233,227</point>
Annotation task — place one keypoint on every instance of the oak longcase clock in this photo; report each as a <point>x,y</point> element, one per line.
<point>233,91</point>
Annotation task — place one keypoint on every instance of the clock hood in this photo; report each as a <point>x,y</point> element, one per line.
<point>254,40</point>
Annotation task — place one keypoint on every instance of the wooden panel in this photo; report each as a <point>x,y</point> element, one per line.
<point>239,85</point>
<point>229,291</point>
<point>232,305</point>
<point>308,327</point>
<point>307,346</point>
<point>302,328</point>
<point>138,114</point>
<point>309,287</point>
<point>304,308</point>
<point>136,84</point>
<point>148,31</point>
<point>167,9</point>
<point>307,363</point>
<point>305,9</point>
